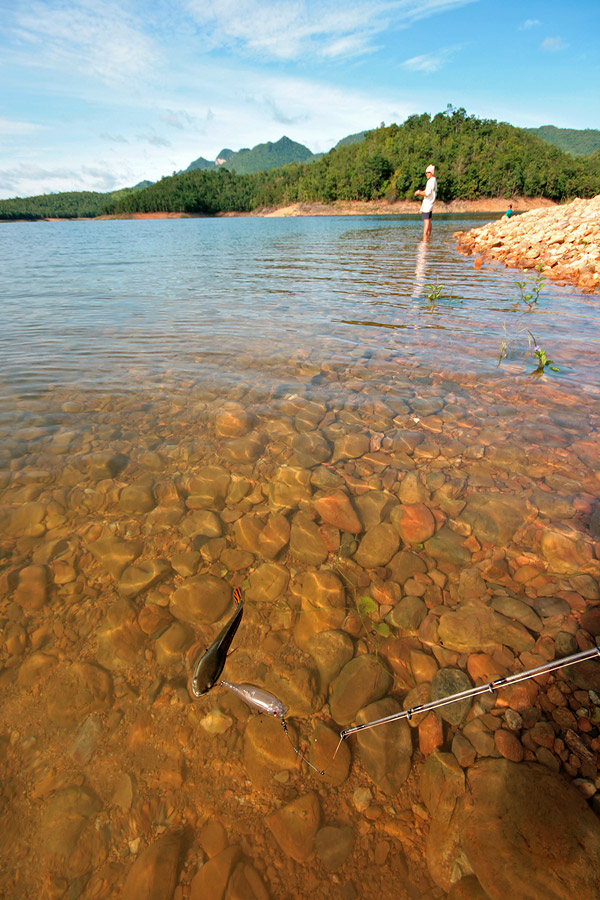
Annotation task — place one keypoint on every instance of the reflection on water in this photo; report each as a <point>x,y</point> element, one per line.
<point>420,268</point>
<point>191,406</point>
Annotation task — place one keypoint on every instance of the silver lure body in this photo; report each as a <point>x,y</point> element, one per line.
<point>257,698</point>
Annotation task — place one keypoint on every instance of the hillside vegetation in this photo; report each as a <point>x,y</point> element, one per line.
<point>577,142</point>
<point>65,205</point>
<point>474,158</point>
<point>268,156</point>
<point>261,158</point>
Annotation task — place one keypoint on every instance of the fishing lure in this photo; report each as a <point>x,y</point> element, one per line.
<point>210,664</point>
<point>266,704</point>
<point>474,692</point>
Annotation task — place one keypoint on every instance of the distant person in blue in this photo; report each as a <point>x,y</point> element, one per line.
<point>428,195</point>
<point>509,212</point>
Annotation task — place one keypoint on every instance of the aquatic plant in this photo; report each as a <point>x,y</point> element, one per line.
<point>543,362</point>
<point>542,358</point>
<point>530,290</point>
<point>434,292</point>
<point>365,607</point>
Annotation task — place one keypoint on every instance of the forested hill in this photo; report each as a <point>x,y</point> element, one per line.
<point>65,205</point>
<point>271,155</point>
<point>578,142</point>
<point>474,158</point>
<point>268,156</point>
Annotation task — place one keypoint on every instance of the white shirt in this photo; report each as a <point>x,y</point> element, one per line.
<point>430,194</point>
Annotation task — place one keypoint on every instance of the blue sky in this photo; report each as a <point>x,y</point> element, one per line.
<point>100,94</point>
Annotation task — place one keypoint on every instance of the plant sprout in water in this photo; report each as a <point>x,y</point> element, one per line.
<point>543,362</point>
<point>542,358</point>
<point>530,290</point>
<point>434,292</point>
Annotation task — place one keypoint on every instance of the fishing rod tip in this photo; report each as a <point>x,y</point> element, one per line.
<point>340,742</point>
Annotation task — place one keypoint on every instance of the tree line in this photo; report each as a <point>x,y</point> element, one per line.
<point>475,158</point>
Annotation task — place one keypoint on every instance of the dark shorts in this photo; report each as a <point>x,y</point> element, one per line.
<point>425,216</point>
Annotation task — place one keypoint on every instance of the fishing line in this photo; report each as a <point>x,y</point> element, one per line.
<point>295,749</point>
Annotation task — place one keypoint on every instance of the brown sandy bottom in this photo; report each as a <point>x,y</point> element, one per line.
<point>397,538</point>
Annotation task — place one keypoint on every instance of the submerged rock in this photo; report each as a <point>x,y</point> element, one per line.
<point>77,691</point>
<point>201,599</point>
<point>441,783</point>
<point>527,816</point>
<point>153,876</point>
<point>378,546</point>
<point>323,745</point>
<point>267,751</point>
<point>336,509</point>
<point>386,750</point>
<point>451,681</point>
<point>331,650</point>
<point>334,846</point>
<point>414,522</point>
<point>495,517</point>
<point>362,681</point>
<point>295,826</point>
<point>32,589</point>
<point>69,841</point>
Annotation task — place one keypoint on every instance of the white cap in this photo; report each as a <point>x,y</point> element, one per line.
<point>430,169</point>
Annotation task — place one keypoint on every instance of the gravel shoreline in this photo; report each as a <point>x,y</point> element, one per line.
<point>564,241</point>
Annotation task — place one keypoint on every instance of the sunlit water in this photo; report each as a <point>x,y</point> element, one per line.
<point>122,344</point>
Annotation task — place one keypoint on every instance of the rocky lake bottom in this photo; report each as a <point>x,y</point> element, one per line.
<point>403,525</point>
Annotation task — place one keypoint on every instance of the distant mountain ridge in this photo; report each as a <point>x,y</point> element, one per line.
<point>260,158</point>
<point>576,141</point>
<point>201,163</point>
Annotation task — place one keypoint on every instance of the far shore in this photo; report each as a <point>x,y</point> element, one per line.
<point>366,208</point>
<point>491,205</point>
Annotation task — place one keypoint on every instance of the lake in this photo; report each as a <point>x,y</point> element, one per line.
<point>352,427</point>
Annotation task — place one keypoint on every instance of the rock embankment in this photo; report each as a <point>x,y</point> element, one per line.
<point>564,240</point>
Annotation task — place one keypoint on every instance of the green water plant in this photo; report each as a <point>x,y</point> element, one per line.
<point>433,292</point>
<point>543,361</point>
<point>365,607</point>
<point>542,358</point>
<point>530,290</point>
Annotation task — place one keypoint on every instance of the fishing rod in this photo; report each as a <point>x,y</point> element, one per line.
<point>474,692</point>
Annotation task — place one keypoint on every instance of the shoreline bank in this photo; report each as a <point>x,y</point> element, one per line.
<point>492,205</point>
<point>495,205</point>
<point>563,241</point>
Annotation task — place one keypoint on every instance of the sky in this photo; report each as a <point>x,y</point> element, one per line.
<point>101,94</point>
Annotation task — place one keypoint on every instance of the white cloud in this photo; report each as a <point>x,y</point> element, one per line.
<point>294,29</point>
<point>90,37</point>
<point>154,139</point>
<point>553,44</point>
<point>529,23</point>
<point>432,62</point>
<point>30,180</point>
<point>12,127</point>
<point>114,138</point>
<point>179,119</point>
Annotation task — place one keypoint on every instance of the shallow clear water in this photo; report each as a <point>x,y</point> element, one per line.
<point>102,304</point>
<point>145,364</point>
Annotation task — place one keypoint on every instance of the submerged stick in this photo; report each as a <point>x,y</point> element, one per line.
<point>474,692</point>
